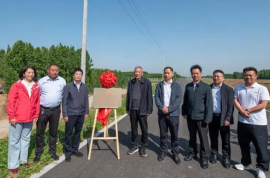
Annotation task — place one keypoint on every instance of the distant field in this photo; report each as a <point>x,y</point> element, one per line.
<point>234,82</point>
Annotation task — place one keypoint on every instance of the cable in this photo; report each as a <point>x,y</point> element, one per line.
<point>136,24</point>
<point>144,23</point>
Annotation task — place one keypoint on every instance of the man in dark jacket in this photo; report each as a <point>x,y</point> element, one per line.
<point>168,97</point>
<point>139,105</point>
<point>197,108</point>
<point>75,110</point>
<point>223,106</point>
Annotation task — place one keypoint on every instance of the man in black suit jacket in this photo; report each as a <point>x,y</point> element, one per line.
<point>197,108</point>
<point>223,107</point>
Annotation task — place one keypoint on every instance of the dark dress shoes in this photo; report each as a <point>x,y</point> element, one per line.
<point>190,157</point>
<point>54,156</point>
<point>226,163</point>
<point>176,159</point>
<point>78,154</point>
<point>204,163</point>
<point>213,158</point>
<point>161,157</point>
<point>37,158</point>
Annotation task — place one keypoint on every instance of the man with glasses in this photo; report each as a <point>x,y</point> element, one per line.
<point>251,99</point>
<point>222,118</point>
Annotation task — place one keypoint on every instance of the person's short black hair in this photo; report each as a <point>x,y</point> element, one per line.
<point>196,66</point>
<point>76,70</point>
<point>53,65</point>
<point>218,71</point>
<point>249,69</point>
<point>25,69</point>
<point>168,67</point>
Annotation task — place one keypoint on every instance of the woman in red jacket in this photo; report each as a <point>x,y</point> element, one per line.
<point>23,109</point>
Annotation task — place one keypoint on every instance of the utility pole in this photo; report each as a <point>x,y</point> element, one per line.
<point>162,67</point>
<point>83,54</point>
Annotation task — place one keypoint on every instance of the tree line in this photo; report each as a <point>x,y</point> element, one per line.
<point>14,58</point>
<point>262,74</point>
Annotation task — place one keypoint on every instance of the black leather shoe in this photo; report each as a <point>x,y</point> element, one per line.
<point>226,163</point>
<point>213,158</point>
<point>54,156</point>
<point>204,163</point>
<point>161,157</point>
<point>37,158</point>
<point>177,159</point>
<point>68,157</point>
<point>190,157</point>
<point>78,154</point>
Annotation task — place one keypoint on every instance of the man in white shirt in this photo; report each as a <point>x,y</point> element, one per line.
<point>251,99</point>
<point>168,96</point>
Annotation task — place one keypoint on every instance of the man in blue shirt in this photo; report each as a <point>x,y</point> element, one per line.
<point>51,92</point>
<point>223,107</point>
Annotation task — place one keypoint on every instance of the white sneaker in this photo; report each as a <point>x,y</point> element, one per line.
<point>241,167</point>
<point>260,173</point>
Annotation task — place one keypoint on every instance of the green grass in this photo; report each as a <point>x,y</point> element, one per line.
<point>154,85</point>
<point>45,158</point>
<point>154,88</point>
<point>268,106</point>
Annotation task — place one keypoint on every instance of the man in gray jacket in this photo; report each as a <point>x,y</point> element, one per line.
<point>197,108</point>
<point>75,110</point>
<point>168,97</point>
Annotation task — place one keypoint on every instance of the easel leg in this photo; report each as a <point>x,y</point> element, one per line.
<point>106,127</point>
<point>116,133</point>
<point>93,132</point>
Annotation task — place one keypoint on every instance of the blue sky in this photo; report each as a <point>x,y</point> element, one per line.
<point>216,34</point>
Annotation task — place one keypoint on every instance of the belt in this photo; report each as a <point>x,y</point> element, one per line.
<point>51,108</point>
<point>216,114</point>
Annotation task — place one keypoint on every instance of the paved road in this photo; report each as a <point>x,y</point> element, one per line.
<point>104,164</point>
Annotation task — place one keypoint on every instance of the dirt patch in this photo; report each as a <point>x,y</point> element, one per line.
<point>233,82</point>
<point>3,102</point>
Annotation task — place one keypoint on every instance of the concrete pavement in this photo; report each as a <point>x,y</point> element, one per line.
<point>104,164</point>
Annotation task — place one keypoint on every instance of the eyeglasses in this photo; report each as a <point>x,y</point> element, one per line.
<point>248,75</point>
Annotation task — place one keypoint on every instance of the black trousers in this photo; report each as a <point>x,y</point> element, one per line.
<point>168,122</point>
<point>77,123</point>
<point>134,119</point>
<point>258,135</point>
<point>201,127</point>
<point>214,130</point>
<point>45,116</point>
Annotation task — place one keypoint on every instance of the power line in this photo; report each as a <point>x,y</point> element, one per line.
<point>136,24</point>
<point>144,23</point>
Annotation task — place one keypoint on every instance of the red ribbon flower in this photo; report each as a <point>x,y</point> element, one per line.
<point>107,80</point>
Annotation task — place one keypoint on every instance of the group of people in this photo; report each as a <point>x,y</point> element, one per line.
<point>39,102</point>
<point>207,109</point>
